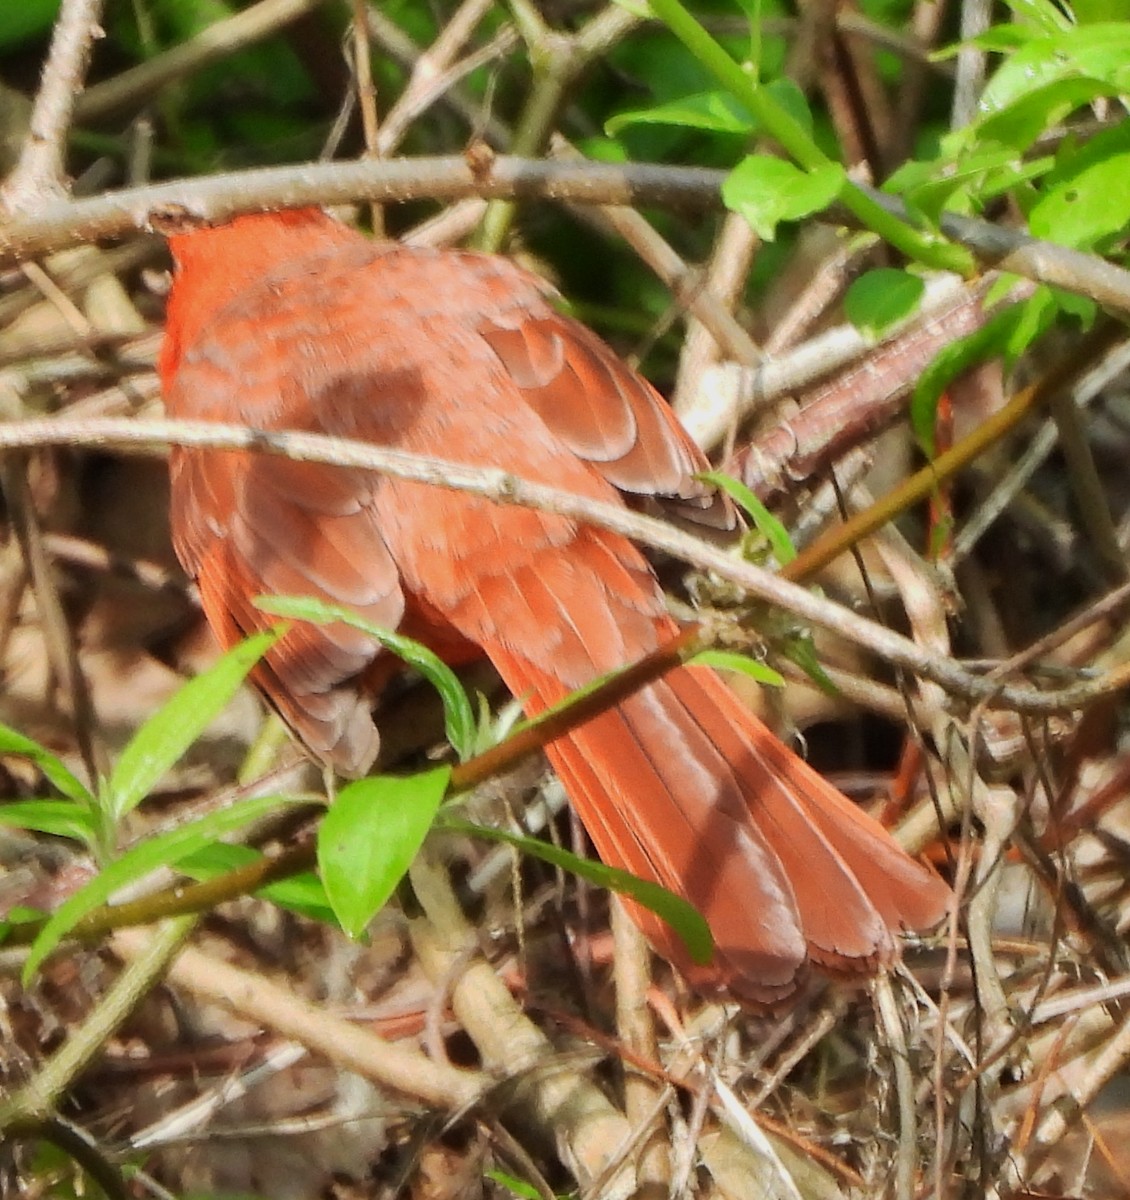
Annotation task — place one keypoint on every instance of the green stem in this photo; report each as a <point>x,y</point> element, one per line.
<point>36,1101</point>
<point>930,249</point>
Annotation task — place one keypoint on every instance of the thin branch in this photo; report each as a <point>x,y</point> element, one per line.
<point>40,175</point>
<point>59,223</point>
<point>351,1047</point>
<point>504,488</point>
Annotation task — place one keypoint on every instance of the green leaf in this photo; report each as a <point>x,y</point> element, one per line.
<point>369,837</point>
<point>62,818</point>
<point>520,1188</point>
<point>53,768</point>
<point>165,850</point>
<point>1041,14</point>
<point>1019,124</point>
<point>767,191</point>
<point>882,298</point>
<point>459,713</point>
<point>1089,12</point>
<point>802,651</point>
<point>1007,333</point>
<point>1098,53</point>
<point>302,893</point>
<point>683,918</point>
<point>771,529</point>
<point>793,100</point>
<point>717,112</point>
<point>962,178</point>
<point>1086,198</point>
<point>728,660</point>
<point>160,743</point>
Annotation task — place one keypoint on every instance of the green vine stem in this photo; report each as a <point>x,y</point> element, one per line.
<point>932,250</point>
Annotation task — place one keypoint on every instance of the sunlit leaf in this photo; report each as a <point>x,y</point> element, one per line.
<point>459,713</point>
<point>742,664</point>
<point>164,850</point>
<point>162,741</point>
<point>683,918</point>
<point>369,837</point>
<point>771,529</point>
<point>53,767</point>
<point>767,190</point>
<point>717,112</point>
<point>61,818</point>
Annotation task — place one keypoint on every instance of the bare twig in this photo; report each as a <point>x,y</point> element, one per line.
<point>152,436</point>
<point>357,1049</point>
<point>40,174</point>
<point>220,197</point>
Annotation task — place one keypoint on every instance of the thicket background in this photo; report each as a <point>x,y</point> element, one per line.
<point>489,1038</point>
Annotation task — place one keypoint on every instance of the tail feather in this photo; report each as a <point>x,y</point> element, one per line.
<point>682,785</point>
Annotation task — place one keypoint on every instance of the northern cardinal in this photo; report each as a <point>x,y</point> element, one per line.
<point>295,321</point>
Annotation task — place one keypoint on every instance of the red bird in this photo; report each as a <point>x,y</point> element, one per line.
<point>293,321</point>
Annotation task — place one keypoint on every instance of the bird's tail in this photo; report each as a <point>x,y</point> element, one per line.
<point>682,785</point>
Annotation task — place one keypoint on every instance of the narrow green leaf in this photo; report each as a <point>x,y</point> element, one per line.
<point>160,743</point>
<point>1007,333</point>
<point>767,190</point>
<point>53,767</point>
<point>62,818</point>
<point>880,299</point>
<point>728,660</point>
<point>765,522</point>
<point>683,917</point>
<point>165,850</point>
<point>520,1188</point>
<point>802,651</point>
<point>1085,198</point>
<point>369,837</point>
<point>459,713</point>
<point>302,893</point>
<point>716,112</point>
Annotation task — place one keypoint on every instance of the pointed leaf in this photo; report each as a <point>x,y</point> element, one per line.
<point>728,660</point>
<point>770,528</point>
<point>683,917</point>
<point>716,112</point>
<point>61,818</point>
<point>459,714</point>
<point>165,850</point>
<point>369,837</point>
<point>161,742</point>
<point>53,767</point>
